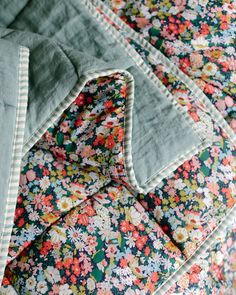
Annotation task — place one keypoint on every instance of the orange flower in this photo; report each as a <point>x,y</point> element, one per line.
<point>90,211</point>
<point>154,277</point>
<point>141,227</point>
<point>224,26</point>
<point>123,262</point>
<point>83,219</point>
<point>68,262</point>
<point>124,226</point>
<point>5,282</point>
<point>209,89</point>
<point>147,251</point>
<point>76,269</point>
<point>123,91</point>
<point>108,104</point>
<point>135,234</point>
<point>139,244</point>
<point>110,142</point>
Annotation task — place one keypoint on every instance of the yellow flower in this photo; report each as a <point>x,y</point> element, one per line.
<point>50,217</point>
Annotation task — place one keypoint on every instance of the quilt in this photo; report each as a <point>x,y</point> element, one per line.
<point>117,163</point>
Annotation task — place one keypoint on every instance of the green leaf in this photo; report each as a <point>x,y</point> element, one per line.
<point>60,138</point>
<point>204,156</point>
<point>71,147</point>
<point>97,274</point>
<point>159,42</point>
<point>154,32</point>
<point>205,170</point>
<point>98,257</point>
<point>100,243</point>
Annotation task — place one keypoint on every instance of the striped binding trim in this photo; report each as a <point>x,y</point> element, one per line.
<point>16,157</point>
<point>229,218</point>
<point>158,56</point>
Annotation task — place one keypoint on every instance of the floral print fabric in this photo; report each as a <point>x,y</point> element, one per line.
<point>197,36</point>
<point>215,272</point>
<point>190,204</point>
<point>108,245</point>
<point>69,164</point>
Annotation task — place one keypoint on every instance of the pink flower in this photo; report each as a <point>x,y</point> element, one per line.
<point>59,153</point>
<point>142,22</point>
<point>196,60</point>
<point>180,4</point>
<point>48,137</point>
<point>64,127</point>
<point>30,175</point>
<point>213,187</point>
<point>87,152</point>
<point>23,179</point>
<point>229,101</point>
<point>220,104</point>
<point>111,250</point>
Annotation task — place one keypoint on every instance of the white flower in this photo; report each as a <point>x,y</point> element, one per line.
<point>33,216</point>
<point>64,204</point>
<point>134,216</point>
<point>42,287</point>
<point>52,274</point>
<point>174,10</point>
<point>200,179</point>
<point>158,213</point>
<point>48,157</point>
<point>180,235</point>
<point>58,234</point>
<point>74,235</point>
<point>93,88</point>
<point>203,2</point>
<point>193,220</point>
<point>210,69</point>
<point>156,23</point>
<point>233,78</point>
<point>218,257</point>
<point>130,240</point>
<point>157,244</point>
<point>196,235</point>
<point>189,14</point>
<point>30,283</point>
<point>39,154</point>
<point>207,201</point>
<point>74,157</point>
<point>44,183</point>
<point>179,184</point>
<point>64,290</point>
<point>230,50</point>
<point>200,43</point>
<point>90,284</point>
